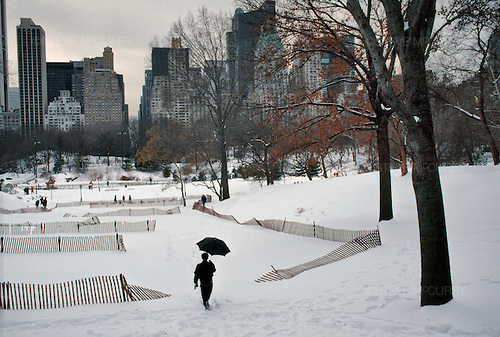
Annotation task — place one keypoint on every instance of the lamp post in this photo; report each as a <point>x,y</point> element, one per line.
<point>36,161</point>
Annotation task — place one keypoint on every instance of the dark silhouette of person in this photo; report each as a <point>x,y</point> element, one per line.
<point>204,272</point>
<point>203,200</point>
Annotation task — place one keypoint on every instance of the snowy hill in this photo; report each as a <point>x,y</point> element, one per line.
<point>375,293</point>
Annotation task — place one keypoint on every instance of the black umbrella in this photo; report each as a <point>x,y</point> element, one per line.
<point>213,246</point>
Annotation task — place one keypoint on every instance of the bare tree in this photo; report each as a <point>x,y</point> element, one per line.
<point>390,32</point>
<point>479,30</point>
<point>205,36</point>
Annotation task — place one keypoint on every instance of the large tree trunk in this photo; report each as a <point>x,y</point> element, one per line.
<point>384,159</point>
<point>436,285</point>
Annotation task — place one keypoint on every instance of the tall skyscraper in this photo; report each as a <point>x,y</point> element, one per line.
<point>145,105</point>
<point>32,69</point>
<point>270,76</point>
<point>4,75</point>
<point>242,42</point>
<point>170,96</point>
<point>103,93</point>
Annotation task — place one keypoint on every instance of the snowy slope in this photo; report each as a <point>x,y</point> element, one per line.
<point>375,293</point>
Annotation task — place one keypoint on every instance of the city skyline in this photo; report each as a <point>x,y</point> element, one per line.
<point>84,29</point>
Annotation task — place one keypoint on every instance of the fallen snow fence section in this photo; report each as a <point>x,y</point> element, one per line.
<point>44,244</point>
<point>356,241</point>
<point>138,212</point>
<point>94,290</point>
<point>348,249</point>
<point>89,226</point>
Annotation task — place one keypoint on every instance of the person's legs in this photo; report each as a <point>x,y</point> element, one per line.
<point>206,291</point>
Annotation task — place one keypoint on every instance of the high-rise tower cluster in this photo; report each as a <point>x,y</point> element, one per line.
<point>74,95</point>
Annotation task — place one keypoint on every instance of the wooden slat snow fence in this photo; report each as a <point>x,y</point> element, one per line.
<point>137,203</point>
<point>356,241</point>
<point>134,202</point>
<point>94,290</point>
<point>348,249</point>
<point>295,228</point>
<point>197,206</point>
<point>77,227</point>
<point>44,244</point>
<point>138,212</point>
<point>302,229</point>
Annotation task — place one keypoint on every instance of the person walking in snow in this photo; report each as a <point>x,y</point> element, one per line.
<point>203,200</point>
<point>204,272</point>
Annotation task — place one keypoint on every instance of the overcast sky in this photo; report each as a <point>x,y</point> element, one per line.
<point>78,29</point>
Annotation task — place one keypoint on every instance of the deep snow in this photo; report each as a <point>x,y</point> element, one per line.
<point>375,293</point>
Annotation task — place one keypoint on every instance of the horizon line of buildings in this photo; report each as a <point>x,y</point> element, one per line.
<point>89,94</point>
<point>76,95</point>
<point>168,93</point>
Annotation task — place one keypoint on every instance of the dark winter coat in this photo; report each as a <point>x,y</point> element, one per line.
<point>204,272</point>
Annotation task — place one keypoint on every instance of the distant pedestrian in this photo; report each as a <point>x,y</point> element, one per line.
<point>116,200</point>
<point>123,198</point>
<point>37,203</point>
<point>44,202</point>
<point>204,272</point>
<point>203,200</point>
<point>129,198</point>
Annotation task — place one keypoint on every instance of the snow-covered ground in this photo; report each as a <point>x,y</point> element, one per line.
<point>375,293</point>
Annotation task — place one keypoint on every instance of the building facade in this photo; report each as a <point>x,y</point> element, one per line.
<point>103,94</point>
<point>271,77</point>
<point>103,100</point>
<point>9,122</point>
<point>145,104</point>
<point>170,94</point>
<point>64,114</point>
<point>4,70</point>
<point>242,41</point>
<point>59,77</point>
<point>32,69</point>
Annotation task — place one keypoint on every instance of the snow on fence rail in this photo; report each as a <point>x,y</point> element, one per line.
<point>77,227</point>
<point>348,249</point>
<point>43,244</point>
<point>93,290</point>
